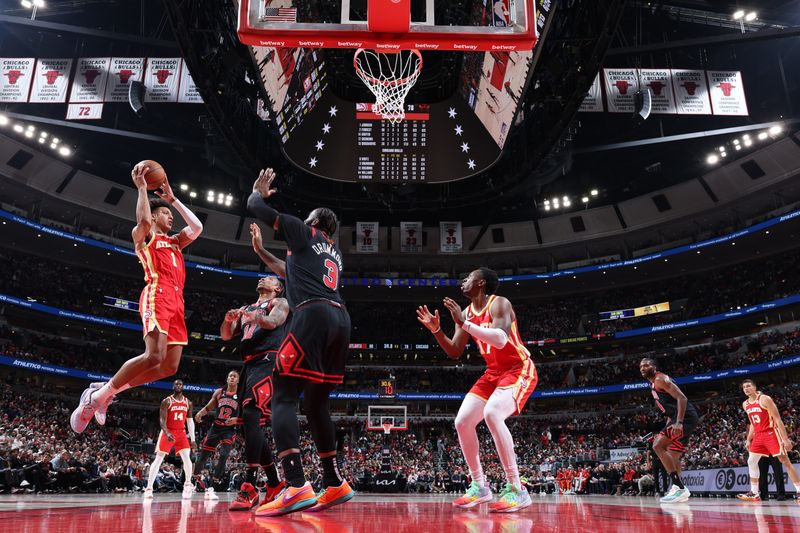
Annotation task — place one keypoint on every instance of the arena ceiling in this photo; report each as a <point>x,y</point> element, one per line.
<point>549,155</point>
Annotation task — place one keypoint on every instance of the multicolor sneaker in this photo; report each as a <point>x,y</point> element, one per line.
<point>290,499</point>
<point>676,495</point>
<point>246,499</point>
<point>272,492</point>
<point>749,497</point>
<point>331,496</point>
<point>84,413</point>
<point>511,500</point>
<point>475,495</point>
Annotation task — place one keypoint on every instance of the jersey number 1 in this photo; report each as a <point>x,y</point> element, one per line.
<point>178,416</point>
<point>331,279</point>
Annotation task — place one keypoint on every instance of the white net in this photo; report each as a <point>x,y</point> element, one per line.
<point>389,76</point>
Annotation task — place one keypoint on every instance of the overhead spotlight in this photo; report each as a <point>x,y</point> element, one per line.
<point>220,200</point>
<point>28,134</point>
<point>192,194</point>
<point>26,4</point>
<point>593,192</point>
<point>184,187</point>
<point>30,127</point>
<point>55,140</point>
<point>585,199</point>
<point>713,158</point>
<point>567,203</point>
<point>736,141</point>
<point>750,17</point>
<point>43,134</point>
<point>737,15</point>
<point>565,199</point>
<point>748,142</point>
<point>18,128</point>
<point>763,135</point>
<point>64,151</point>
<point>547,207</point>
<point>547,202</point>
<point>746,137</point>
<point>42,140</point>
<point>3,120</point>
<point>228,204</point>
<point>738,147</point>
<point>53,146</point>
<point>229,198</point>
<point>211,193</point>
<point>724,154</point>
<point>774,130</point>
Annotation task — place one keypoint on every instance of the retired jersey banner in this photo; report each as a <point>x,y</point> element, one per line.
<point>659,81</point>
<point>161,79</point>
<point>123,71</point>
<point>621,85</point>
<point>727,92</point>
<point>691,92</point>
<point>411,236</point>
<point>593,101</point>
<point>51,80</point>
<point>16,75</point>
<point>85,111</point>
<point>367,241</point>
<point>450,237</point>
<point>89,84</point>
<point>188,93</point>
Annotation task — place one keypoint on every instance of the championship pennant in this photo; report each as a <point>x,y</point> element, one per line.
<point>450,237</point>
<point>727,93</point>
<point>593,101</point>
<point>124,70</point>
<point>410,237</point>
<point>659,82</point>
<point>161,79</point>
<point>367,237</point>
<point>691,92</point>
<point>51,80</point>
<point>16,75</point>
<point>621,86</point>
<point>91,75</point>
<point>188,93</point>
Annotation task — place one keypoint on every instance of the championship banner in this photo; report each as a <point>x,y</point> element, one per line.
<point>367,240</point>
<point>123,71</point>
<point>89,83</point>
<point>51,80</point>
<point>593,101</point>
<point>659,81</point>
<point>89,111</point>
<point>161,79</point>
<point>727,93</point>
<point>450,237</point>
<point>411,236</point>
<point>734,480</point>
<point>16,75</point>
<point>621,85</point>
<point>691,92</point>
<point>188,93</point>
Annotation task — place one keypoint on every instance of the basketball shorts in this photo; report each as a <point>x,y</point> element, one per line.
<point>678,443</point>
<point>161,309</point>
<point>522,379</point>
<point>218,436</point>
<point>316,343</point>
<point>255,385</point>
<point>181,442</point>
<point>766,443</point>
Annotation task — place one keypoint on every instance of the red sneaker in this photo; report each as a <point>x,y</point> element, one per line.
<point>272,492</point>
<point>291,499</point>
<point>246,499</point>
<point>333,496</point>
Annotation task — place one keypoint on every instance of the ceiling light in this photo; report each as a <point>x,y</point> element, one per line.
<point>745,137</point>
<point>26,4</point>
<point>721,148</point>
<point>738,146</point>
<point>566,199</point>
<point>3,120</point>
<point>43,134</point>
<point>53,146</point>
<point>724,154</point>
<point>750,17</point>
<point>774,130</point>
<point>220,200</point>
<point>41,140</point>
<point>763,135</point>
<point>192,194</point>
<point>593,192</point>
<point>748,142</point>
<point>55,140</point>
<point>585,199</point>
<point>64,151</point>
<point>229,198</point>
<point>211,193</point>
<point>30,127</point>
<point>18,128</point>
<point>228,204</point>
<point>567,203</point>
<point>547,202</point>
<point>739,14</point>
<point>712,159</point>
<point>736,141</point>
<point>547,207</point>
<point>184,187</point>
<point>28,134</point>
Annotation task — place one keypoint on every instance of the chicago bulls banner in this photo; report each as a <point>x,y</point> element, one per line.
<point>367,237</point>
<point>89,84</point>
<point>691,92</point>
<point>188,92</point>
<point>659,81</point>
<point>593,101</point>
<point>410,236</point>
<point>727,92</point>
<point>51,80</point>
<point>161,79</point>
<point>16,74</point>
<point>123,71</point>
<point>621,85</point>
<point>450,237</point>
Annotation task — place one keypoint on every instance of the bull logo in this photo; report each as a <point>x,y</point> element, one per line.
<point>367,232</point>
<point>727,87</point>
<point>13,76</point>
<point>691,87</point>
<point>622,86</point>
<point>162,75</point>
<point>125,75</point>
<point>451,231</point>
<point>657,86</point>
<point>52,76</point>
<point>91,75</point>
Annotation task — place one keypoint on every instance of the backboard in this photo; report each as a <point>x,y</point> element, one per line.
<point>387,418</point>
<point>386,25</point>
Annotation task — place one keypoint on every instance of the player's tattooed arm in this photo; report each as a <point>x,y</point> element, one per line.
<point>212,403</point>
<point>275,319</point>
<point>276,265</point>
<point>453,347</point>
<point>144,218</point>
<point>162,419</point>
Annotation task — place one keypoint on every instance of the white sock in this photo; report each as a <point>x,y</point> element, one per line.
<point>500,406</point>
<point>796,487</point>
<point>187,465</point>
<point>105,392</point>
<point>155,466</point>
<point>754,487</point>
<point>469,416</point>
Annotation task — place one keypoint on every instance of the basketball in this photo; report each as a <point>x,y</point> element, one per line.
<point>155,176</point>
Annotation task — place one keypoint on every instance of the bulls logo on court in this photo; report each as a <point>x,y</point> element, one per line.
<point>52,76</point>
<point>13,76</point>
<point>657,87</point>
<point>690,87</point>
<point>727,87</point>
<point>162,75</point>
<point>125,75</point>
<point>91,75</point>
<point>622,86</point>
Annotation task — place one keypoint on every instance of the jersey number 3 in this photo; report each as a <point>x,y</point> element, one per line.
<point>331,279</point>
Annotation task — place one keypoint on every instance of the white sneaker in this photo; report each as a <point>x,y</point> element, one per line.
<point>676,495</point>
<point>102,407</point>
<point>210,494</point>
<point>188,490</point>
<point>148,494</point>
<point>84,413</point>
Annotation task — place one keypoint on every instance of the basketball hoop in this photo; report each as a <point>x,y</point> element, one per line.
<point>389,76</point>
<point>387,427</point>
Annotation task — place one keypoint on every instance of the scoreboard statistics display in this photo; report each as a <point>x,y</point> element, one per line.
<point>387,389</point>
<point>636,311</point>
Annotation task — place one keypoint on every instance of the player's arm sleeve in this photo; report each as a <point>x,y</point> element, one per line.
<point>295,232</point>
<point>494,337</point>
<point>190,427</point>
<point>262,211</point>
<point>193,227</point>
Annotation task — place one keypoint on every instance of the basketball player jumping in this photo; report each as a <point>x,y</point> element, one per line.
<point>161,302</point>
<point>261,326</point>
<point>766,436</point>
<point>311,359</point>
<point>500,392</point>
<point>682,418</point>
<point>222,432</point>
<point>175,416</point>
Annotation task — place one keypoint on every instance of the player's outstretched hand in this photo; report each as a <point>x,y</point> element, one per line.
<point>263,185</point>
<point>233,315</point>
<point>455,310</point>
<point>165,192</point>
<point>428,319</point>
<point>257,240</point>
<point>137,174</point>
<point>198,417</point>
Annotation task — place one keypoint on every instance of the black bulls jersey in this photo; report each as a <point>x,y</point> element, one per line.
<point>669,405</point>
<point>313,263</point>
<point>227,407</point>
<point>256,340</point>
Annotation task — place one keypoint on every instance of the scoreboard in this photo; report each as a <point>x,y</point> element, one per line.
<point>392,152</point>
<point>387,389</point>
